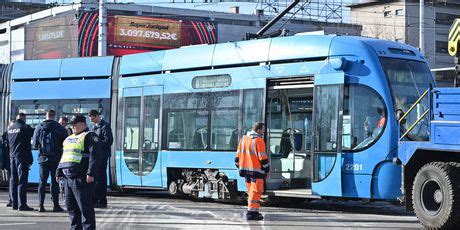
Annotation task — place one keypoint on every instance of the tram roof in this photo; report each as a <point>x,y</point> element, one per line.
<point>224,55</point>
<point>63,68</point>
<point>271,50</point>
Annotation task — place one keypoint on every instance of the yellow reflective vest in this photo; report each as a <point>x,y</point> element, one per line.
<point>74,146</point>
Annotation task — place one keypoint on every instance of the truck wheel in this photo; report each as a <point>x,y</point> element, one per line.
<point>436,195</point>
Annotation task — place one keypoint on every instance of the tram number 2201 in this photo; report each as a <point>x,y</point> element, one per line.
<point>353,167</point>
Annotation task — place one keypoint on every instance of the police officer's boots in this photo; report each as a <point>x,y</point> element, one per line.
<point>58,208</point>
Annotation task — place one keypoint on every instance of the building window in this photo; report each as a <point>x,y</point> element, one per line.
<point>445,19</point>
<point>441,47</point>
<point>386,14</point>
<point>399,12</point>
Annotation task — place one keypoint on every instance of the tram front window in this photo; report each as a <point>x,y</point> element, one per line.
<point>408,80</point>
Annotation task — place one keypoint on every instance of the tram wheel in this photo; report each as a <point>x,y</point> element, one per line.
<point>173,188</point>
<point>436,195</point>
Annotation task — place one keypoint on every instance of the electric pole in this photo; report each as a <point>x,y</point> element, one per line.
<point>422,16</point>
<point>102,38</point>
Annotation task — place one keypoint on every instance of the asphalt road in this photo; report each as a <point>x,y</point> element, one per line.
<point>161,211</point>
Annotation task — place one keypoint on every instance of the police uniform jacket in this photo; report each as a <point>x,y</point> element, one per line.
<point>5,152</point>
<point>88,163</point>
<point>19,137</point>
<point>104,133</point>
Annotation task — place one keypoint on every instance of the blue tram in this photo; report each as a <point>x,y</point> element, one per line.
<point>327,102</point>
<point>336,108</point>
<point>68,86</point>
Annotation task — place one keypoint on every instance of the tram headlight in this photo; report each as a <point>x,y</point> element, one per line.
<point>338,63</point>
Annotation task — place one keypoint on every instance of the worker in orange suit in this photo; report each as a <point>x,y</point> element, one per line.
<point>252,162</point>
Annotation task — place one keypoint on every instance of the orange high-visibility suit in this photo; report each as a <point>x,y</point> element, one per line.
<point>252,162</point>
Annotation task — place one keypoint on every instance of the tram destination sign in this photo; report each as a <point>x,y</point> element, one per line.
<point>211,81</point>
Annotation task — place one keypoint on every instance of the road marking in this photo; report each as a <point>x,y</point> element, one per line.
<point>11,224</point>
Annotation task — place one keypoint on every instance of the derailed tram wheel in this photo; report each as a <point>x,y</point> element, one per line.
<point>436,195</point>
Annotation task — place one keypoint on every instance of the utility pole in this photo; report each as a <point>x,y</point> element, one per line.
<point>10,42</point>
<point>421,34</point>
<point>102,38</point>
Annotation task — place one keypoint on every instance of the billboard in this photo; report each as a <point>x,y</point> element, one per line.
<point>63,37</point>
<point>88,30</point>
<point>147,31</point>
<point>51,38</point>
<point>134,34</point>
<point>199,32</point>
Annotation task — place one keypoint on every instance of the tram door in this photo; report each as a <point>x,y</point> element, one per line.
<point>141,116</point>
<point>327,134</point>
<point>289,137</point>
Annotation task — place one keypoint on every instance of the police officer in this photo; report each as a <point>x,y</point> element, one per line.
<point>48,138</point>
<point>19,136</point>
<point>78,168</point>
<point>104,133</point>
<point>6,161</point>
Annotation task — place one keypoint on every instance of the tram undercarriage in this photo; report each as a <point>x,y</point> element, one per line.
<point>201,183</point>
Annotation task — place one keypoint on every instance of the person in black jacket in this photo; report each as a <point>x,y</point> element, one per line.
<point>19,136</point>
<point>78,168</point>
<point>53,134</point>
<point>6,161</point>
<point>104,133</point>
<point>63,121</point>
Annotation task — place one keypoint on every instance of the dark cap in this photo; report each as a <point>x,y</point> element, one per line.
<point>78,118</point>
<point>93,112</point>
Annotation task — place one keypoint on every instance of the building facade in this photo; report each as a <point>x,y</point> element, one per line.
<point>12,9</point>
<point>71,30</point>
<point>399,20</point>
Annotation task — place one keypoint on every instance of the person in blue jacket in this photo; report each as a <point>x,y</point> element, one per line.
<point>48,138</point>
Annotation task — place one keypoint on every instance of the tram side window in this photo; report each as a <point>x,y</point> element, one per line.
<point>79,108</point>
<point>151,122</point>
<point>224,120</point>
<point>70,109</point>
<point>132,112</point>
<point>35,112</point>
<point>187,121</point>
<point>364,118</point>
<point>252,108</point>
<point>327,115</point>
